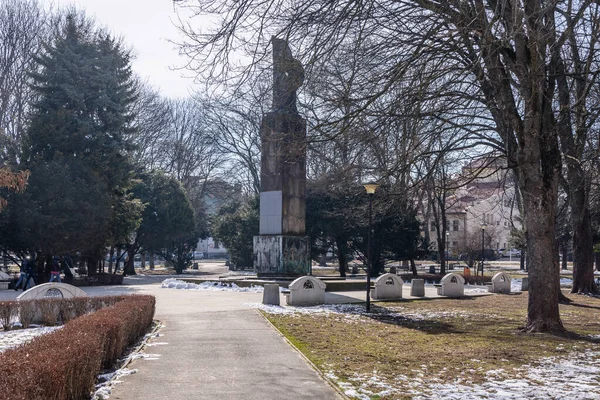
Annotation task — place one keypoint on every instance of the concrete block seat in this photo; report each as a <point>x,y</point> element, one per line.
<point>5,279</point>
<point>387,287</point>
<point>52,290</point>
<point>452,285</point>
<point>306,291</point>
<point>501,283</point>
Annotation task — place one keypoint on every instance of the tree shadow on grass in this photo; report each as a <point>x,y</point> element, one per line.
<point>430,326</point>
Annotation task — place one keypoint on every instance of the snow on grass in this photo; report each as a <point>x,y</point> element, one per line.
<point>353,311</point>
<point>574,377</point>
<point>340,309</point>
<point>17,337</point>
<point>172,283</point>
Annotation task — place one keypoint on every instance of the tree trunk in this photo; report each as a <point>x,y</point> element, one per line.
<point>342,253</point>
<point>565,255</point>
<point>583,248</point>
<point>343,264</point>
<point>90,265</point>
<point>129,267</point>
<point>143,263</point>
<point>413,267</point>
<point>151,260</point>
<point>111,255</point>
<point>540,195</point>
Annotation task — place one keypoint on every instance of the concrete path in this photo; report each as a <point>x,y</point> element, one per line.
<point>216,347</point>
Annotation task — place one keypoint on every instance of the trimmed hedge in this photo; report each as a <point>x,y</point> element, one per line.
<point>64,364</point>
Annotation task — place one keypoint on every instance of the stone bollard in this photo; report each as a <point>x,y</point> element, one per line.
<point>525,284</point>
<point>271,294</point>
<point>417,288</point>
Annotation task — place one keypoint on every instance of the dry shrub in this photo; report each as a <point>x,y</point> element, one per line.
<point>27,311</point>
<point>8,310</point>
<point>63,365</point>
<point>80,306</point>
<point>50,310</point>
<point>95,304</point>
<point>66,310</point>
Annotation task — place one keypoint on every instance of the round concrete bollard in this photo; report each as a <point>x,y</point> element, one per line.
<point>417,288</point>
<point>525,284</point>
<point>271,294</point>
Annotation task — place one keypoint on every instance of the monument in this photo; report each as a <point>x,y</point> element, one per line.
<point>282,247</point>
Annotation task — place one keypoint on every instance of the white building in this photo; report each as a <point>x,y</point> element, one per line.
<point>484,204</point>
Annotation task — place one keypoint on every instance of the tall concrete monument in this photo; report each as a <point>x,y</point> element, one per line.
<point>282,248</point>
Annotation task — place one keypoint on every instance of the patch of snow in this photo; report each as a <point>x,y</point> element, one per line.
<point>341,309</point>
<point>574,377</point>
<point>17,337</point>
<point>173,283</point>
<point>475,289</point>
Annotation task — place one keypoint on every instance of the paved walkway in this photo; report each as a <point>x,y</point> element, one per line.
<point>218,348</point>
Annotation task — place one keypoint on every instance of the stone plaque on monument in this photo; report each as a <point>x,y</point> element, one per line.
<point>282,248</point>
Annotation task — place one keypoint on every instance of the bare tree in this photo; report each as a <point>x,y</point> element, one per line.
<point>516,62</point>
<point>23,30</point>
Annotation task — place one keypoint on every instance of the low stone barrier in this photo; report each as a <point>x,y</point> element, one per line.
<point>387,287</point>
<point>306,291</point>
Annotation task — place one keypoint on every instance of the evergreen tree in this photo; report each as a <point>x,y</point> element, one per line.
<point>81,122</point>
<point>235,225</point>
<point>168,224</point>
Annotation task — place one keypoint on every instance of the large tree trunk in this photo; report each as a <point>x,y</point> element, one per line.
<point>129,268</point>
<point>538,171</point>
<point>583,248</point>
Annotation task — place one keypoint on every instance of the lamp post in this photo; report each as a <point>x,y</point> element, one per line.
<point>482,245</point>
<point>447,247</point>
<point>370,188</point>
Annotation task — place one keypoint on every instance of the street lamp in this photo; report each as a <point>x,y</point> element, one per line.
<point>482,245</point>
<point>447,246</point>
<point>370,188</point>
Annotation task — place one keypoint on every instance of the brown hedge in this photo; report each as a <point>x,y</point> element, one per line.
<point>65,363</point>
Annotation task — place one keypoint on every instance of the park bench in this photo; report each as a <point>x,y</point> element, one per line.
<point>306,290</point>
<point>387,286</point>
<point>501,283</point>
<point>5,280</point>
<point>452,285</point>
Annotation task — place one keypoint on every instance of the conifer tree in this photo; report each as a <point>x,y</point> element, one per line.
<point>82,117</point>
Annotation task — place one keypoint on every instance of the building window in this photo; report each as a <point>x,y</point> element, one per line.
<point>455,225</point>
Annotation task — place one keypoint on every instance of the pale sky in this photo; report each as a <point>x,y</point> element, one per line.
<point>146,26</point>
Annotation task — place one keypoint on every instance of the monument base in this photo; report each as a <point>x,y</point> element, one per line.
<point>281,255</point>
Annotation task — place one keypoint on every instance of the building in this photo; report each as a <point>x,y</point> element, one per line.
<point>481,207</point>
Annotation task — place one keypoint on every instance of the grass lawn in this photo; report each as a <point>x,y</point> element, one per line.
<point>411,345</point>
